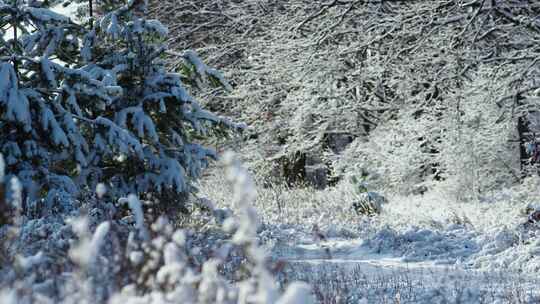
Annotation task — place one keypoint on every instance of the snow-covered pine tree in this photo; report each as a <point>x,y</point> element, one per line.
<point>81,106</point>
<point>39,87</point>
<point>145,140</point>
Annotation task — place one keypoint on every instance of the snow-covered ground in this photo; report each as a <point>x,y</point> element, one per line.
<point>421,249</point>
<point>348,271</point>
<point>365,282</point>
<point>425,270</point>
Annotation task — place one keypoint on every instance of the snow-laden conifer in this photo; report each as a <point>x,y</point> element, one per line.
<point>152,121</point>
<point>39,133</point>
<point>87,103</point>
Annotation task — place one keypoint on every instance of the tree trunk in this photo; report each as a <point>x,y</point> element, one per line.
<point>523,137</point>
<point>4,209</point>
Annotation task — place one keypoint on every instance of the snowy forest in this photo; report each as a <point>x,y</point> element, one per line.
<point>269,151</point>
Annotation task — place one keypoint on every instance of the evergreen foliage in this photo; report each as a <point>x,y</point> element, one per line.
<point>90,103</point>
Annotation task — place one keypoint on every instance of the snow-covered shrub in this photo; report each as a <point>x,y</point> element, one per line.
<point>367,202</point>
<point>463,146</point>
<point>84,105</point>
<point>131,260</point>
<point>178,277</point>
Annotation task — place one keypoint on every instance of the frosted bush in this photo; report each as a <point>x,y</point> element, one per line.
<point>125,260</point>
<point>176,277</point>
<point>366,202</point>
